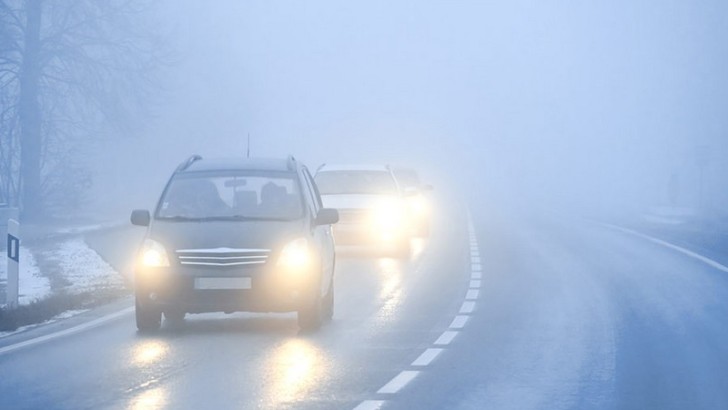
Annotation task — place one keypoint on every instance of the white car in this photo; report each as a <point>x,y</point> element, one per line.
<point>419,202</point>
<point>372,206</point>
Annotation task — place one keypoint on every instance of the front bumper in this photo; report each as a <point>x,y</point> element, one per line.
<point>270,290</point>
<point>366,234</point>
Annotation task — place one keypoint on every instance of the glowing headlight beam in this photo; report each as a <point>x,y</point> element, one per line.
<point>418,205</point>
<point>153,254</point>
<point>388,215</point>
<point>295,255</point>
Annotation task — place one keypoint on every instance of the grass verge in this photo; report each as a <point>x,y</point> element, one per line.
<point>55,304</point>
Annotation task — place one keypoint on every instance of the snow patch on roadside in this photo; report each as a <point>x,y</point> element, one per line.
<point>80,266</point>
<point>83,267</point>
<point>68,313</point>
<point>33,285</point>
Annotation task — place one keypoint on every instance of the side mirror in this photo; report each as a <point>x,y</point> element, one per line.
<point>327,216</point>
<point>140,217</point>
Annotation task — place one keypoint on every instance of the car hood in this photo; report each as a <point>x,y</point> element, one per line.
<point>357,201</point>
<point>176,235</point>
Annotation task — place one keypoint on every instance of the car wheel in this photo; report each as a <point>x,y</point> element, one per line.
<point>148,318</point>
<point>174,315</point>
<point>310,315</point>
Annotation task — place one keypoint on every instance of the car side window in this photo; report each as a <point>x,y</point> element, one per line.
<point>309,194</point>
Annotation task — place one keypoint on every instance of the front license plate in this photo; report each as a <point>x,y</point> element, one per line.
<point>223,283</point>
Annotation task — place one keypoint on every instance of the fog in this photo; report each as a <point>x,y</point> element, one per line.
<point>595,106</point>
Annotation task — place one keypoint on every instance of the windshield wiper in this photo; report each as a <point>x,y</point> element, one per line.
<point>256,218</point>
<point>178,218</point>
<point>181,218</point>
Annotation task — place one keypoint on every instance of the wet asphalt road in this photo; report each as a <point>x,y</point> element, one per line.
<point>543,313</point>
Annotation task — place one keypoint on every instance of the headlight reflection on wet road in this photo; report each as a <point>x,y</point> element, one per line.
<point>417,248</point>
<point>149,352</point>
<point>390,271</point>
<point>147,355</point>
<point>297,366</point>
<point>150,400</point>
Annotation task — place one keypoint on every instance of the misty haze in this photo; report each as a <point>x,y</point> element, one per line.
<point>363,205</point>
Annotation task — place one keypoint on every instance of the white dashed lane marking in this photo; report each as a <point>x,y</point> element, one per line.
<point>467,307</point>
<point>370,405</point>
<point>399,381</point>
<point>402,379</point>
<point>427,357</point>
<point>445,338</point>
<point>459,322</point>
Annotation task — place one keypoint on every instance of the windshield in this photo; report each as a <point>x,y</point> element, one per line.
<point>407,178</point>
<point>231,196</point>
<point>355,182</point>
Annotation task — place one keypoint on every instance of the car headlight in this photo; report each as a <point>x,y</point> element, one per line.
<point>418,205</point>
<point>388,215</point>
<point>153,254</point>
<point>296,255</point>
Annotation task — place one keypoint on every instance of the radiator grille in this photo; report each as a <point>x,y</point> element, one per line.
<point>222,257</point>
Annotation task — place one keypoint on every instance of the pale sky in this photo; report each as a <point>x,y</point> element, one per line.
<point>581,98</point>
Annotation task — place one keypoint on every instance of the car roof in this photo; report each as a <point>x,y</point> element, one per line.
<point>353,167</point>
<point>235,164</point>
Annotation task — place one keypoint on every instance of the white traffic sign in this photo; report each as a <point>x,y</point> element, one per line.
<point>13,263</point>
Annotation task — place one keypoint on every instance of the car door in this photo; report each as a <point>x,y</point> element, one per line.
<point>323,234</point>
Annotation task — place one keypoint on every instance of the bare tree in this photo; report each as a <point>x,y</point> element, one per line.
<point>69,70</point>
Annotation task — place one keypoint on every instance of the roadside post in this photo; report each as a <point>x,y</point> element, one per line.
<point>13,287</point>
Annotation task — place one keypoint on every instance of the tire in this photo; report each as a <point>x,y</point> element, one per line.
<point>148,318</point>
<point>311,315</point>
<point>175,316</point>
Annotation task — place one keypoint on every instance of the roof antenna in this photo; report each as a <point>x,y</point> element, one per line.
<point>248,151</point>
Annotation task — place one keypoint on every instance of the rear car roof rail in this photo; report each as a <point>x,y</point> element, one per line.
<point>291,163</point>
<point>189,161</point>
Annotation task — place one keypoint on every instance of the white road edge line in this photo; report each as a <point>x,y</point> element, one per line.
<point>370,405</point>
<point>445,338</point>
<point>427,357</point>
<point>475,284</point>
<point>476,275</point>
<point>66,332</point>
<point>459,322</point>
<point>472,294</point>
<point>684,251</point>
<point>398,382</point>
